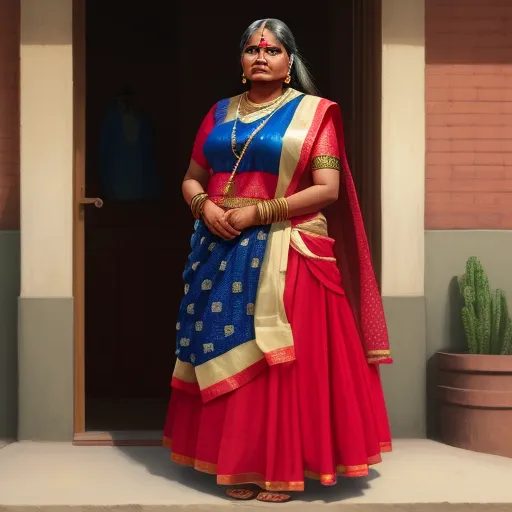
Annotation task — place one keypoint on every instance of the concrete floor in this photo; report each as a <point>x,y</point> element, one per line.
<point>418,475</point>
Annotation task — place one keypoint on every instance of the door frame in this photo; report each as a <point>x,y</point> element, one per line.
<point>80,435</point>
<point>79,97</point>
<point>367,47</point>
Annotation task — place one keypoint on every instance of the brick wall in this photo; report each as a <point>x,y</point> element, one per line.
<point>9,114</point>
<point>469,114</point>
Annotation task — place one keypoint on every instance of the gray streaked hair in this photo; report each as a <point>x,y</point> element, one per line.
<point>301,77</point>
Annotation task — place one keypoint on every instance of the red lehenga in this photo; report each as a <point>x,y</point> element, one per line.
<point>320,411</point>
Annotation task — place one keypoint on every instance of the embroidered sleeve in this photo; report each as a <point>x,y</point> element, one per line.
<point>326,152</point>
<point>201,136</point>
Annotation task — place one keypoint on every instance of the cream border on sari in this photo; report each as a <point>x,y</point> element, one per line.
<point>274,340</point>
<point>273,331</point>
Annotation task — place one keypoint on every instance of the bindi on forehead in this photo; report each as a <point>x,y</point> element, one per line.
<point>263,43</point>
<point>263,39</point>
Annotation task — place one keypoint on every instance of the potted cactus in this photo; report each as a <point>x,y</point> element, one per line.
<point>475,387</point>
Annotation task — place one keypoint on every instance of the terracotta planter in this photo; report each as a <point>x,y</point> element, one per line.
<point>476,402</point>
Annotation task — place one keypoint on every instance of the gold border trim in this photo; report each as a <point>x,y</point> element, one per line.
<point>237,202</point>
<point>257,479</point>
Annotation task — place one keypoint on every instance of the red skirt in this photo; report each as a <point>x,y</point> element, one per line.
<point>322,416</point>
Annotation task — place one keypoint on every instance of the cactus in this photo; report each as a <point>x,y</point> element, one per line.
<point>507,340</point>
<point>485,316</point>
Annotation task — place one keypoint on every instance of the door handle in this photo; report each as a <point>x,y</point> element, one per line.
<point>96,201</point>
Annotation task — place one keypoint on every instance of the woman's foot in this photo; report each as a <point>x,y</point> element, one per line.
<point>273,497</point>
<point>241,493</point>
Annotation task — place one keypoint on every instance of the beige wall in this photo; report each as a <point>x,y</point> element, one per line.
<point>403,147</point>
<point>403,178</point>
<point>46,216</point>
<point>46,148</point>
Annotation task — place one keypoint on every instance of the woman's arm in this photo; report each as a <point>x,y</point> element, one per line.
<point>323,192</point>
<point>196,182</point>
<point>324,176</point>
<point>325,167</point>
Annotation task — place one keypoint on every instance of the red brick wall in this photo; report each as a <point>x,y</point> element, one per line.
<point>9,114</point>
<point>469,114</point>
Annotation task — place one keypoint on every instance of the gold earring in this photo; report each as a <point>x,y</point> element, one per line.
<point>288,79</point>
<point>244,80</point>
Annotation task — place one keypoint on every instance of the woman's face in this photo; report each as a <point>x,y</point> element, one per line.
<point>264,58</point>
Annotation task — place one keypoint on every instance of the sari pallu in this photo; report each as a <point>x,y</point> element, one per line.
<point>232,322</point>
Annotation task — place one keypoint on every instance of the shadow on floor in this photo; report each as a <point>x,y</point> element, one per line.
<point>158,463</point>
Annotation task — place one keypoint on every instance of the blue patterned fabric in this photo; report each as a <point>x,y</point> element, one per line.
<point>221,277</point>
<point>221,280</point>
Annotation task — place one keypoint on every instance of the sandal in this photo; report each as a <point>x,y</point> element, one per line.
<point>273,497</point>
<point>241,494</point>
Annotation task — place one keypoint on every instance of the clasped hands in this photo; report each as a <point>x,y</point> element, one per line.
<point>229,224</point>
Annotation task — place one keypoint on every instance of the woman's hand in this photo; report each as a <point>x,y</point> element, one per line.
<point>215,219</point>
<point>243,218</point>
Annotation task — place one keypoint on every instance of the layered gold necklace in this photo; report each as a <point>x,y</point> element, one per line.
<point>246,107</point>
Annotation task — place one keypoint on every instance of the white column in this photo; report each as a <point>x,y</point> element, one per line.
<point>46,148</point>
<point>403,147</point>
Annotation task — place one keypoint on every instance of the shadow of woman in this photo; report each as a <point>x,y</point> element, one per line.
<point>157,462</point>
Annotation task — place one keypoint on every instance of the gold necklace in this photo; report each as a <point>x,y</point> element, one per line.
<point>229,189</point>
<point>247,107</point>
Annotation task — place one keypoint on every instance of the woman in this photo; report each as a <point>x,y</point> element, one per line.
<point>278,351</point>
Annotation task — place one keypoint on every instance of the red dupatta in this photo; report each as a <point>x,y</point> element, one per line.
<point>345,224</point>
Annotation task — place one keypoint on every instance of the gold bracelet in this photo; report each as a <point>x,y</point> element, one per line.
<point>273,210</point>
<point>197,204</point>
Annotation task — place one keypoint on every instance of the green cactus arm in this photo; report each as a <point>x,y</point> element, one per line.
<point>505,323</point>
<point>496,317</point>
<point>469,296</point>
<point>483,308</point>
<point>469,322</point>
<point>470,271</point>
<point>506,349</point>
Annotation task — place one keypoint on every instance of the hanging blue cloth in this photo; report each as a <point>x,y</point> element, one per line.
<point>128,170</point>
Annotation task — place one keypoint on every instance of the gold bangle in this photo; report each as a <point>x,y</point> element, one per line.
<point>259,206</point>
<point>286,208</point>
<point>271,206</point>
<point>197,204</point>
<point>262,209</point>
<point>282,205</point>
<point>273,210</point>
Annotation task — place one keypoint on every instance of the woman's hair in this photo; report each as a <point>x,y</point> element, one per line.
<point>301,77</point>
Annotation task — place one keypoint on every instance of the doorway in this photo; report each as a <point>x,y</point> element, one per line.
<point>159,76</point>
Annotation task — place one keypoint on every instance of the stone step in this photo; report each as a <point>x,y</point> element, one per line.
<point>418,476</point>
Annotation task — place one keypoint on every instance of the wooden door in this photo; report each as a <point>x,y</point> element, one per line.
<point>128,256</point>
<point>135,248</point>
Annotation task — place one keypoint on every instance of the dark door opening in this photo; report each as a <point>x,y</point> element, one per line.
<point>150,79</point>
